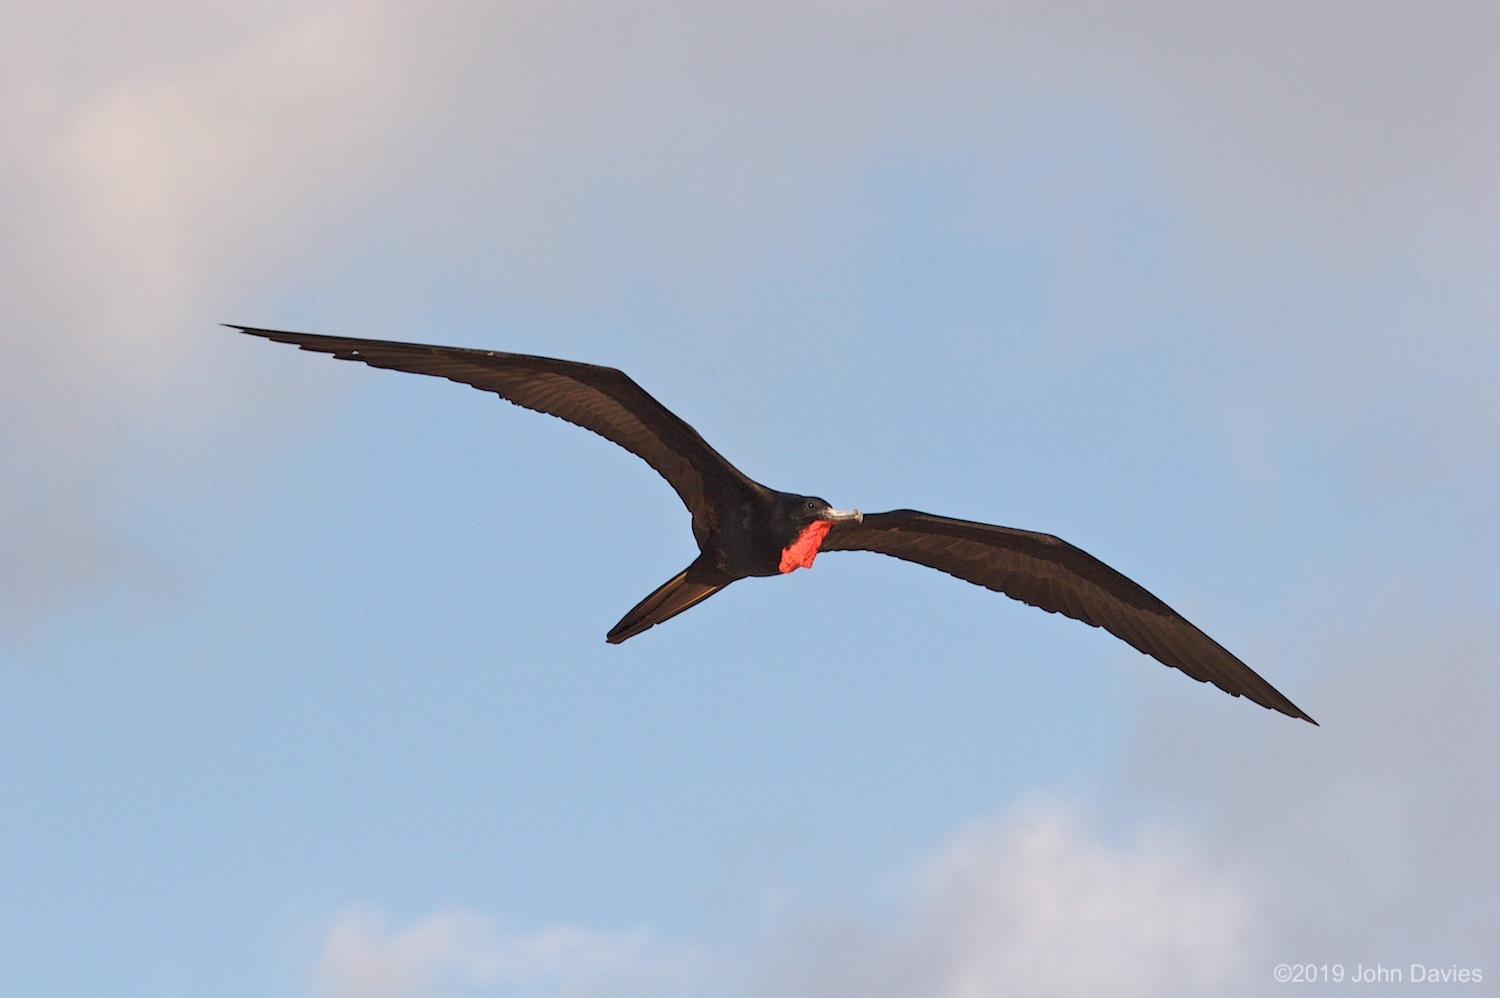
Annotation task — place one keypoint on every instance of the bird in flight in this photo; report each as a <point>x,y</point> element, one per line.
<point>744,528</point>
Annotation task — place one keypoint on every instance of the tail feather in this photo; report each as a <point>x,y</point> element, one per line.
<point>680,593</point>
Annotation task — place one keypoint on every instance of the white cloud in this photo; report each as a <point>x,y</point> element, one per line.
<point>463,953</point>
<point>1248,840</point>
<point>1032,903</point>
<point>158,163</point>
<point>1038,903</point>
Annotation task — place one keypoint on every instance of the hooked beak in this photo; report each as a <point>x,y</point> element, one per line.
<point>840,515</point>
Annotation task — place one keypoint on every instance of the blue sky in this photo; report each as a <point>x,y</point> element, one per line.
<point>307,691</point>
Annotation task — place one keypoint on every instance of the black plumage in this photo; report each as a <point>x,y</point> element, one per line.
<point>746,529</point>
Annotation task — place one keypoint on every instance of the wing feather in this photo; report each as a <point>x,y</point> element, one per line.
<point>601,399</point>
<point>1053,575</point>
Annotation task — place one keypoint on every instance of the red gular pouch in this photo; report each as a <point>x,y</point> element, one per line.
<point>801,552</point>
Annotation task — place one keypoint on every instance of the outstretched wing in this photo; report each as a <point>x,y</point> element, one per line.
<point>1052,574</point>
<point>596,398</point>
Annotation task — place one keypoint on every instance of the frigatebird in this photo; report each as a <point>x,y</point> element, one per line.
<point>745,529</point>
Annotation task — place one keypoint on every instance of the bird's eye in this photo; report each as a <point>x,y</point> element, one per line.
<point>811,505</point>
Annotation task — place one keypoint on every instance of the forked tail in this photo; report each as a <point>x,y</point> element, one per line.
<point>684,591</point>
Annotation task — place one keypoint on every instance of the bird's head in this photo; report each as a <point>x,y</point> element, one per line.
<point>800,523</point>
<point>793,512</point>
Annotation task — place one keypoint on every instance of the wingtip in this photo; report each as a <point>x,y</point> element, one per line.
<point>275,335</point>
<point>1293,711</point>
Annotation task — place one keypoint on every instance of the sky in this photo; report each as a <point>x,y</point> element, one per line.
<point>306,691</point>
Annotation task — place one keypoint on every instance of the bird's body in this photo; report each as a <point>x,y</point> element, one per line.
<point>745,529</point>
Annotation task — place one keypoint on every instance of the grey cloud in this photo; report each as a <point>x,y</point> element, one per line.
<point>1338,120</point>
<point>1373,835</point>
<point>178,163</point>
<point>1237,844</point>
<point>153,163</point>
